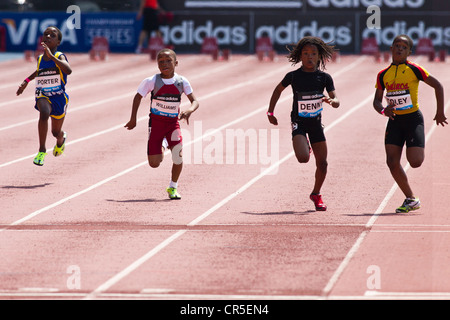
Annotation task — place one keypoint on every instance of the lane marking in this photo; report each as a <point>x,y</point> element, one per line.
<point>354,249</point>
<point>136,264</point>
<point>120,126</point>
<point>166,242</point>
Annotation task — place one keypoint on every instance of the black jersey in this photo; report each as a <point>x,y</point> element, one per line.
<point>307,88</point>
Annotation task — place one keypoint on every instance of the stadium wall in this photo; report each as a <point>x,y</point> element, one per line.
<point>343,22</point>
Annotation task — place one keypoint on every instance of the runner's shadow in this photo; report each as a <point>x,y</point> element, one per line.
<point>298,213</point>
<point>27,187</point>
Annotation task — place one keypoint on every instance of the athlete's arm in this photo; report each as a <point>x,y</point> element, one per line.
<point>378,105</point>
<point>136,103</point>
<point>440,117</point>
<point>194,106</point>
<point>63,64</point>
<point>273,102</point>
<point>24,83</point>
<point>332,99</point>
<point>61,61</point>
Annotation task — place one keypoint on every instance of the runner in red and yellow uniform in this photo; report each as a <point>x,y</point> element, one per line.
<point>405,124</point>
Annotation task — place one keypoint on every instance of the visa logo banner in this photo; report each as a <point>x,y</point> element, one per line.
<point>24,29</point>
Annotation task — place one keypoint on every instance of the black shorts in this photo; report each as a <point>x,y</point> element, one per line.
<point>406,128</point>
<point>309,126</point>
<point>150,20</point>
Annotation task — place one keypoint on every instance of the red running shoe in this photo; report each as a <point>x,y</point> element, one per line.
<point>317,199</point>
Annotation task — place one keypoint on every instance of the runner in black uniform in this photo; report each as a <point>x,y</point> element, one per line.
<point>308,83</point>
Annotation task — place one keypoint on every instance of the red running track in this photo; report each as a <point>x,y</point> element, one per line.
<point>96,223</point>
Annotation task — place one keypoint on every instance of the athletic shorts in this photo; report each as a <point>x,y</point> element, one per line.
<point>406,128</point>
<point>58,103</point>
<point>160,129</point>
<point>309,126</point>
<point>150,20</point>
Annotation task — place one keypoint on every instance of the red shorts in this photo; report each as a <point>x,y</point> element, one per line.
<point>160,129</point>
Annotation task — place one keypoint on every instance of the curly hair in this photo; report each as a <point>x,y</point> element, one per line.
<point>325,50</point>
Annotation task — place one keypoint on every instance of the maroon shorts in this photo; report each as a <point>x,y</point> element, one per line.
<point>160,129</point>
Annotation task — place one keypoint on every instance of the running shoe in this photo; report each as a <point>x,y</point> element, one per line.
<point>318,203</point>
<point>408,205</point>
<point>173,193</point>
<point>39,159</point>
<point>57,151</point>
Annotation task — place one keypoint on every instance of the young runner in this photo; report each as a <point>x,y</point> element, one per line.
<point>166,89</point>
<point>51,97</point>
<point>308,83</point>
<point>405,124</point>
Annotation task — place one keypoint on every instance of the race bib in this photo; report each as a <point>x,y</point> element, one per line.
<point>166,107</point>
<point>48,82</point>
<point>400,99</point>
<point>309,104</point>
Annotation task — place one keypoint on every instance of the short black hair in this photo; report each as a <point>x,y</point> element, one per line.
<point>408,40</point>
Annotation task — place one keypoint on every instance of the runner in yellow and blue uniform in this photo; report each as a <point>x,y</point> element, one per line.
<point>51,97</point>
<point>405,124</point>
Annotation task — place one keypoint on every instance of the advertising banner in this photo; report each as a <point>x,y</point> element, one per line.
<point>311,5</point>
<point>24,29</point>
<point>238,30</point>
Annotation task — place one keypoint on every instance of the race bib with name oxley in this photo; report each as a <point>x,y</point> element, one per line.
<point>166,106</point>
<point>309,104</point>
<point>400,99</point>
<point>48,82</point>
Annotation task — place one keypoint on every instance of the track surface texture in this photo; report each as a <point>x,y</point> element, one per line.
<point>96,223</point>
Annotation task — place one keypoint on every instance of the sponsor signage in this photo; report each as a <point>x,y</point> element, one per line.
<point>311,5</point>
<point>237,30</point>
<point>24,29</point>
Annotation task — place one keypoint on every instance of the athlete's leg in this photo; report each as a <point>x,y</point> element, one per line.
<point>415,156</point>
<point>301,148</point>
<point>155,160</point>
<point>177,158</point>
<point>44,113</point>
<point>393,158</point>
<point>320,153</point>
<point>57,130</point>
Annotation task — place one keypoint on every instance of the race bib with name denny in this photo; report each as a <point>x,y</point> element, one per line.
<point>309,104</point>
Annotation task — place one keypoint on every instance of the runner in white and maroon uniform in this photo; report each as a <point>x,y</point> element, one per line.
<point>166,89</point>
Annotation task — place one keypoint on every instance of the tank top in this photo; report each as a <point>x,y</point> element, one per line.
<point>166,99</point>
<point>50,80</point>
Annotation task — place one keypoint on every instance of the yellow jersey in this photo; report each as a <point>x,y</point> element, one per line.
<point>402,85</point>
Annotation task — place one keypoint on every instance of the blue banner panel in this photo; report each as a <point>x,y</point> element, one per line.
<point>24,29</point>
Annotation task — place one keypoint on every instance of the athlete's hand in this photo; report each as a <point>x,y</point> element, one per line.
<point>332,102</point>
<point>440,119</point>
<point>185,115</point>
<point>273,120</point>
<point>389,111</point>
<point>22,87</point>
<point>47,52</point>
<point>131,124</point>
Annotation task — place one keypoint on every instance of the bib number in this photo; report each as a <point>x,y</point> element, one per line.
<point>400,99</point>
<point>310,105</point>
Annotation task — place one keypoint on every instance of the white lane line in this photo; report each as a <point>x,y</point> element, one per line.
<point>166,242</point>
<point>127,95</point>
<point>404,295</point>
<point>354,249</point>
<point>124,273</point>
<point>94,186</point>
<point>111,80</point>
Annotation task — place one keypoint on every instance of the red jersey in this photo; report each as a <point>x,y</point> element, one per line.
<point>151,4</point>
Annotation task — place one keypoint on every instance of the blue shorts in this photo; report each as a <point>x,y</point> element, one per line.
<point>58,104</point>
